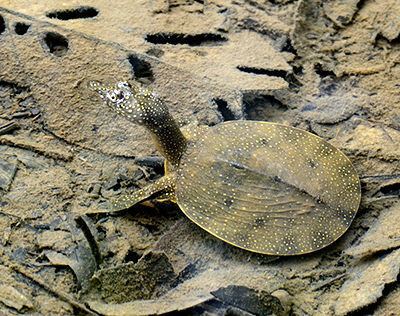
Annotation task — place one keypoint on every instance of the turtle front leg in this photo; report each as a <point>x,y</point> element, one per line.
<point>163,188</point>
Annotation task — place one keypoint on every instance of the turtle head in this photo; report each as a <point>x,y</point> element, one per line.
<point>142,106</point>
<point>137,104</point>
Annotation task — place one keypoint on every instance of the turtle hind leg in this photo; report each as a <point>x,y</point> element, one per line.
<point>163,188</point>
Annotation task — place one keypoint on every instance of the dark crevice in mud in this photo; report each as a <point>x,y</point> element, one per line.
<point>154,162</point>
<point>56,43</point>
<point>72,14</point>
<point>294,78</point>
<point>298,70</point>
<point>294,83</point>
<point>288,47</point>
<point>360,4</point>
<point>381,39</point>
<point>224,110</point>
<point>264,71</point>
<point>281,2</point>
<point>16,89</point>
<point>256,106</point>
<point>142,71</point>
<point>132,256</point>
<point>187,273</point>
<point>322,72</point>
<point>204,39</point>
<point>174,4</point>
<point>379,254</point>
<point>391,189</point>
<point>21,28</point>
<point>2,25</point>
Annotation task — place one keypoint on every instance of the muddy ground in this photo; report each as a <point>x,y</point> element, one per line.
<point>329,67</point>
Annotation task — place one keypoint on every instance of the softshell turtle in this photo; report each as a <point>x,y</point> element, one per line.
<point>263,187</point>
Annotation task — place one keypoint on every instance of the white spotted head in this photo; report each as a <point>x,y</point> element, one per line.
<point>137,104</point>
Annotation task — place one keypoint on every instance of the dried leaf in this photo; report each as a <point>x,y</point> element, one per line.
<point>341,12</point>
<point>151,307</point>
<point>81,262</point>
<point>7,173</point>
<point>390,304</point>
<point>331,109</point>
<point>367,284</point>
<point>132,281</point>
<point>250,300</point>
<point>11,297</point>
<point>384,234</point>
<point>373,140</point>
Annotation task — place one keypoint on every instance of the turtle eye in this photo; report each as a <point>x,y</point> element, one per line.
<point>112,96</point>
<point>123,85</point>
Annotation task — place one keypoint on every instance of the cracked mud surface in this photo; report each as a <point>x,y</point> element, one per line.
<point>329,67</point>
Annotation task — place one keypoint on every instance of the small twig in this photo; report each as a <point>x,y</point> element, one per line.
<point>381,176</point>
<point>36,117</point>
<point>21,114</point>
<point>327,282</point>
<point>61,294</point>
<point>9,127</point>
<point>10,215</point>
<point>146,174</point>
